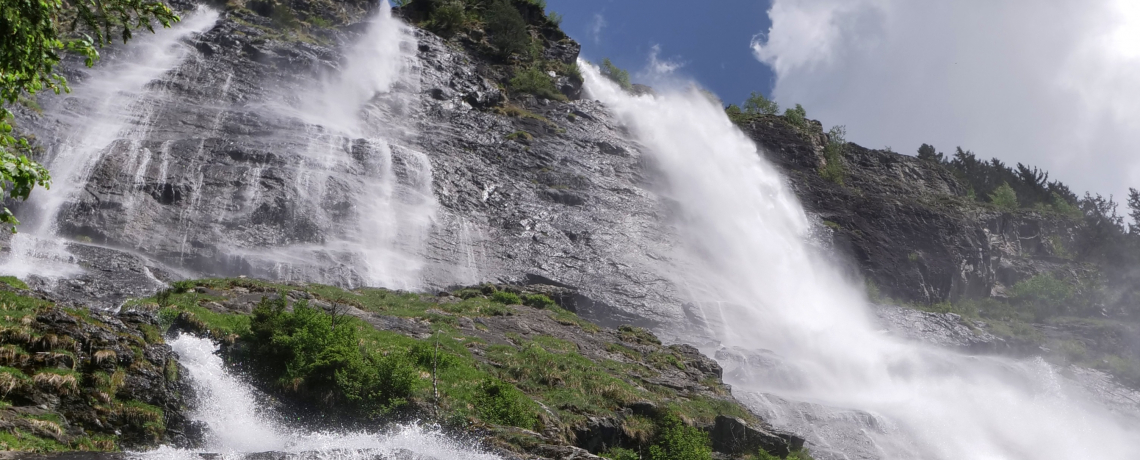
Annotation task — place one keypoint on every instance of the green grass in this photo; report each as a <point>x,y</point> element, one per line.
<point>537,82</point>
<point>13,282</point>
<point>520,136</point>
<point>565,381</point>
<point>502,384</point>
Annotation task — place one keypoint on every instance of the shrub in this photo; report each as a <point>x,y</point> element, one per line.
<point>504,297</point>
<point>677,441</point>
<point>616,74</point>
<point>758,104</point>
<point>304,352</point>
<point>501,403</point>
<point>1062,206</point>
<point>1046,294</point>
<point>507,28</point>
<point>447,19</point>
<point>617,453</point>
<point>537,301</point>
<point>796,117</point>
<point>833,169</point>
<point>1004,197</point>
<point>554,18</point>
<point>534,81</point>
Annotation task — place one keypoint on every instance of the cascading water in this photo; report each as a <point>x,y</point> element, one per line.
<point>191,160</point>
<point>110,111</point>
<point>804,333</point>
<point>237,426</point>
<point>353,135</point>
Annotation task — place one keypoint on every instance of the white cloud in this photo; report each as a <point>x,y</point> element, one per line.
<point>1055,84</point>
<point>596,26</point>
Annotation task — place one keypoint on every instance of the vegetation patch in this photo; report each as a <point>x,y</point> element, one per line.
<point>303,348</point>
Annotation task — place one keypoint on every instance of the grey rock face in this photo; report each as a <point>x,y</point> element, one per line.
<point>947,330</point>
<point>227,172</point>
<point>908,226</point>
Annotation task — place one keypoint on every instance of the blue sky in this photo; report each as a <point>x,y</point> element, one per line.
<point>711,39</point>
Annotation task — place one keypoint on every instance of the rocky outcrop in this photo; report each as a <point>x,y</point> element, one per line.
<point>79,379</point>
<point>240,186</point>
<point>908,226</point>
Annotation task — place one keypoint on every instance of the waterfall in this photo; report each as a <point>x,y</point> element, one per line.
<point>237,425</point>
<point>814,361</point>
<point>353,133</point>
<point>312,178</point>
<point>109,112</point>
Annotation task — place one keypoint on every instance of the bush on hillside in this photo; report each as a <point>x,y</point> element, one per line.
<point>1004,198</point>
<point>318,357</point>
<point>796,117</point>
<point>534,81</point>
<point>501,403</point>
<point>616,74</point>
<point>507,28</point>
<point>447,18</point>
<point>833,155</point>
<point>758,104</point>
<point>677,441</point>
<point>1045,295</point>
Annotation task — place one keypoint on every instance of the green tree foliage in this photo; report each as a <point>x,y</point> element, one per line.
<point>758,104</point>
<point>36,33</point>
<point>1134,211</point>
<point>616,74</point>
<point>833,170</point>
<point>1031,185</point>
<point>308,353</point>
<point>507,28</point>
<point>1045,295</point>
<point>447,18</point>
<point>677,441</point>
<point>796,116</point>
<point>926,152</point>
<point>1004,197</point>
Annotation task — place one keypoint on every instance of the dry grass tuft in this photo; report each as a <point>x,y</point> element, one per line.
<point>104,355</point>
<point>9,383</point>
<point>47,427</point>
<point>21,334</point>
<point>63,384</point>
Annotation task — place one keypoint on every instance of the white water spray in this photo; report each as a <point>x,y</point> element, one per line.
<point>760,288</point>
<point>110,111</point>
<point>237,426</point>
<point>354,136</point>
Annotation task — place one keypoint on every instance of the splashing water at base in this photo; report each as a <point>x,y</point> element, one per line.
<point>812,358</point>
<point>238,426</point>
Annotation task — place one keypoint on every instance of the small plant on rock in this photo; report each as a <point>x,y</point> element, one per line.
<point>616,74</point>
<point>538,301</point>
<point>676,441</point>
<point>508,298</point>
<point>534,81</point>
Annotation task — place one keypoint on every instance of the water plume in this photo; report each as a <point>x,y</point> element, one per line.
<point>237,425</point>
<point>797,339</point>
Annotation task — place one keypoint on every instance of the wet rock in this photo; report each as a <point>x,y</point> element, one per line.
<point>74,373</point>
<point>734,436</point>
<point>942,329</point>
